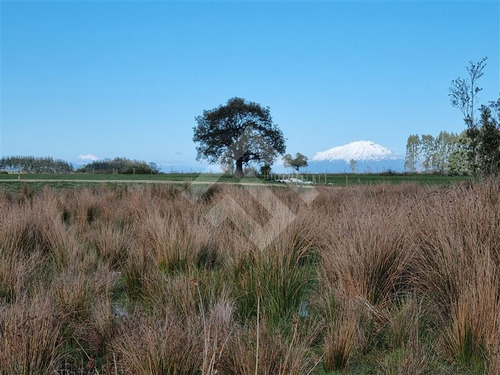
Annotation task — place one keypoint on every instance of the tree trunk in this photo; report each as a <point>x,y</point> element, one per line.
<point>239,169</point>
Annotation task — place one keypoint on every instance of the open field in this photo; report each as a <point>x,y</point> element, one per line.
<point>178,177</point>
<point>14,183</point>
<point>128,279</point>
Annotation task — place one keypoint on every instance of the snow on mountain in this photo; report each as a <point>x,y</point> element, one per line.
<point>359,151</point>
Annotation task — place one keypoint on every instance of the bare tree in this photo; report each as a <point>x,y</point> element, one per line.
<point>464,91</point>
<point>464,96</point>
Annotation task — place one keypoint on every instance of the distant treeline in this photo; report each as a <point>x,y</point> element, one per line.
<point>120,165</point>
<point>445,153</point>
<point>474,151</point>
<point>31,164</point>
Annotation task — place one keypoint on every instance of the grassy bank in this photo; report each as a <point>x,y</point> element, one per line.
<point>389,279</point>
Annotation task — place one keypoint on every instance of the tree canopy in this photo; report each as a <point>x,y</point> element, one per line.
<point>120,165</point>
<point>443,153</point>
<point>489,140</point>
<point>239,131</point>
<point>296,163</point>
<point>482,136</point>
<point>32,164</point>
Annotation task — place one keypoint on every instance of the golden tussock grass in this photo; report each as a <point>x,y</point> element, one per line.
<point>139,280</point>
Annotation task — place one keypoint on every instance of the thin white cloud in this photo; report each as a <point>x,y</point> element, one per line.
<point>88,157</point>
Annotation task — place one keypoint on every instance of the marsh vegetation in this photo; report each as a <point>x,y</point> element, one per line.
<point>389,279</point>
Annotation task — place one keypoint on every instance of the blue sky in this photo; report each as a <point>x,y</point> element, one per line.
<point>127,78</point>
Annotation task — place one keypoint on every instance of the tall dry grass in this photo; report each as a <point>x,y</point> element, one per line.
<point>140,280</point>
<point>31,337</point>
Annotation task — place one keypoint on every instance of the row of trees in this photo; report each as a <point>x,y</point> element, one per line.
<point>31,164</point>
<point>443,153</point>
<point>120,165</point>
<point>474,151</point>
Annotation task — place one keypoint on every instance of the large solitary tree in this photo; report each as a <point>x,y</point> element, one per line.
<point>239,131</point>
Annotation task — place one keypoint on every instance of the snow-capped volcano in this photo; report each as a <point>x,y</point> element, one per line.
<point>359,151</point>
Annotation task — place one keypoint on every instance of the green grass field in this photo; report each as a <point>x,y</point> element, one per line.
<point>35,182</point>
<point>118,177</point>
<point>339,179</point>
